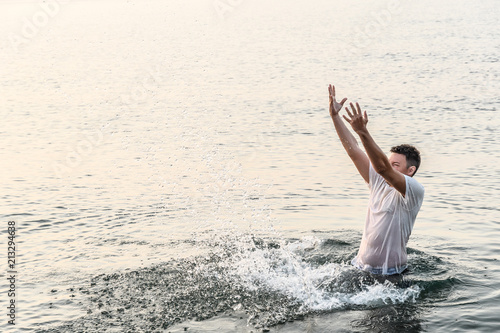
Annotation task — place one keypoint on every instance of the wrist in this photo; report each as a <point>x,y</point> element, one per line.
<point>362,132</point>
<point>335,114</point>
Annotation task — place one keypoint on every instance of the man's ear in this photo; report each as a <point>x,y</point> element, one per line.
<point>411,170</point>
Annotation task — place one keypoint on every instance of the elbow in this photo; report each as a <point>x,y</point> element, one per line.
<point>381,168</point>
<point>355,154</point>
<point>353,151</point>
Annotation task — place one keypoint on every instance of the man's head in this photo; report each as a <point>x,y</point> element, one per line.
<point>405,159</point>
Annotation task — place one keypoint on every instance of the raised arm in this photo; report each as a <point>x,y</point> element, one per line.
<point>349,142</point>
<point>377,157</point>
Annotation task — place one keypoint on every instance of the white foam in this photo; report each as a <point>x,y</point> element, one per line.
<point>283,270</point>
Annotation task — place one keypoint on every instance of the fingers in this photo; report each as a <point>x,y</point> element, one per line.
<point>358,107</point>
<point>353,109</point>
<point>333,101</point>
<point>356,110</point>
<point>331,89</point>
<point>355,113</point>
<point>348,112</point>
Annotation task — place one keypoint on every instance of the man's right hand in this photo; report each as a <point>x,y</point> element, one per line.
<point>335,106</point>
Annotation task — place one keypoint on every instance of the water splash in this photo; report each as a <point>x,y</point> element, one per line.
<point>272,282</point>
<point>317,287</point>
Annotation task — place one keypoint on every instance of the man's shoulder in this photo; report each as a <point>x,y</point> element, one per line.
<point>414,185</point>
<point>413,181</point>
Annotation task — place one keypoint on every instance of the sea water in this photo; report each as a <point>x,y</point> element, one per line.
<point>171,165</point>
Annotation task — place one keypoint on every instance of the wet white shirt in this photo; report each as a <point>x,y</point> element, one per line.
<point>388,226</point>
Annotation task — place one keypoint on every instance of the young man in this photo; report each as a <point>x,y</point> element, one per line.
<point>395,196</point>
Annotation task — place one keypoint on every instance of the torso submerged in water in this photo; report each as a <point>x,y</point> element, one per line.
<point>389,222</point>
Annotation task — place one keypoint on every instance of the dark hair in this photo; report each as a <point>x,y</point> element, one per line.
<point>412,155</point>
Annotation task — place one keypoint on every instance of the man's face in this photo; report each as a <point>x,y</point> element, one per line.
<point>398,163</point>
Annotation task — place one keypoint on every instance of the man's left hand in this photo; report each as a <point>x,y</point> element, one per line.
<point>357,119</point>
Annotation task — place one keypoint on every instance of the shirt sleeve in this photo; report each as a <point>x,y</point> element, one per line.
<point>376,180</point>
<point>414,193</point>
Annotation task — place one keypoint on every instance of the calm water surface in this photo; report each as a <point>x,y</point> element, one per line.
<point>172,165</point>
